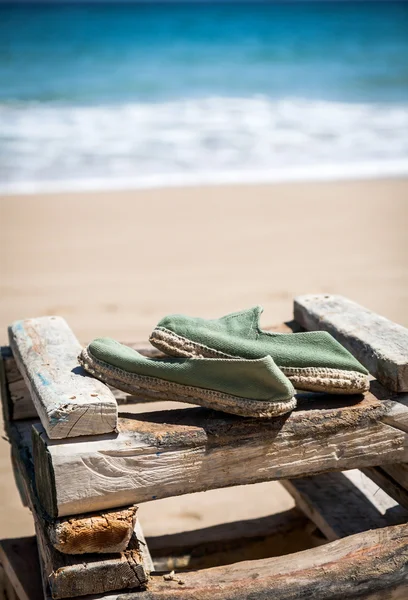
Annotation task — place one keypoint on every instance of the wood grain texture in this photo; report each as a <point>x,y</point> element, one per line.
<point>342,504</point>
<point>368,566</point>
<point>69,402</point>
<point>21,405</point>
<point>388,484</point>
<point>104,532</point>
<point>156,455</point>
<point>99,532</point>
<point>17,402</point>
<point>70,576</point>
<point>379,344</point>
<point>397,416</point>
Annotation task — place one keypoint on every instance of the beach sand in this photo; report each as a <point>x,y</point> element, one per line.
<point>113,263</point>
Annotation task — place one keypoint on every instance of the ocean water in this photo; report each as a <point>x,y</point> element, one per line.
<point>106,95</point>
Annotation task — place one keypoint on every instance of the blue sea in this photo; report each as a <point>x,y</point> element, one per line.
<point>110,95</point>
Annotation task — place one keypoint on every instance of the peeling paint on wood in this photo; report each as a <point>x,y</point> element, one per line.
<point>69,401</point>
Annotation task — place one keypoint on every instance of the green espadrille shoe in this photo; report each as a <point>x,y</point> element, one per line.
<point>313,361</point>
<point>250,388</point>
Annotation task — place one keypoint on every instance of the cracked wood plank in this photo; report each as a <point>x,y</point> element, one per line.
<point>156,455</point>
<point>379,344</point>
<point>69,402</point>
<point>369,566</point>
<point>102,532</point>
<point>105,532</point>
<point>342,504</point>
<point>91,573</point>
<point>20,404</point>
<point>94,574</point>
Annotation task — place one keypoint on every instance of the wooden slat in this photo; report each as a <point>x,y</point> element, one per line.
<point>156,455</point>
<point>379,344</point>
<point>98,532</point>
<point>105,532</point>
<point>17,402</point>
<point>69,402</point>
<point>70,576</point>
<point>342,504</point>
<point>368,566</point>
<point>21,406</point>
<point>388,484</point>
<point>94,574</point>
<point>20,563</point>
<point>398,413</point>
<point>399,473</point>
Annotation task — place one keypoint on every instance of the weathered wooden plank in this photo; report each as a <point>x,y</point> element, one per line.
<point>102,532</point>
<point>105,532</point>
<point>156,455</point>
<point>368,566</point>
<point>4,392</point>
<point>20,563</point>
<point>143,548</point>
<point>69,575</point>
<point>379,344</point>
<point>69,402</point>
<point>388,484</point>
<point>93,574</point>
<point>397,416</point>
<point>342,504</point>
<point>399,472</point>
<point>20,404</point>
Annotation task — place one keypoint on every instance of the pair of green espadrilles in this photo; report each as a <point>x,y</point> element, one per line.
<point>228,364</point>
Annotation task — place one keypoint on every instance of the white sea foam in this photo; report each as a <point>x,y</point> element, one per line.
<point>198,141</point>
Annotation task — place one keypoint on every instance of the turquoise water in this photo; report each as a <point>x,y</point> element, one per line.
<point>106,94</point>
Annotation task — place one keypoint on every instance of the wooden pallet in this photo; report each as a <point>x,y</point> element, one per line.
<point>155,455</point>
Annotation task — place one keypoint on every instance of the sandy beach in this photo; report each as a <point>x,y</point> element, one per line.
<point>114,263</point>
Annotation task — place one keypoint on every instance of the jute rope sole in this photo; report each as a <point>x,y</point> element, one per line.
<point>160,389</point>
<point>313,379</point>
